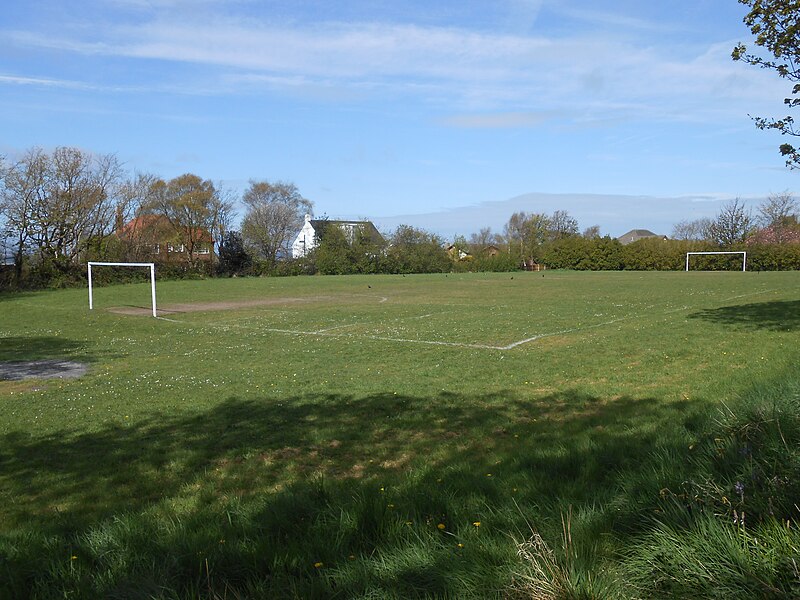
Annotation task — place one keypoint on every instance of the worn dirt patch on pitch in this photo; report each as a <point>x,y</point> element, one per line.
<point>41,369</point>
<point>169,309</point>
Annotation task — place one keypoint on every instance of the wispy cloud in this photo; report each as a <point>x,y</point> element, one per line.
<point>615,19</point>
<point>498,120</point>
<point>43,82</point>
<point>513,78</point>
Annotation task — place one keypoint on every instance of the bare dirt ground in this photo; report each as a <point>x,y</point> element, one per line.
<point>41,369</point>
<point>210,306</point>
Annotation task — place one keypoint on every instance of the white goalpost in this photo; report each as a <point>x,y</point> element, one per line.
<point>152,267</point>
<point>744,257</point>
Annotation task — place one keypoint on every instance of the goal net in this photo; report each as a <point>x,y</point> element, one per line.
<point>743,254</point>
<point>151,266</point>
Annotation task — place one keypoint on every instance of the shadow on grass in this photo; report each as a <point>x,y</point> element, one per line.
<point>772,316</point>
<point>265,489</point>
<point>38,348</point>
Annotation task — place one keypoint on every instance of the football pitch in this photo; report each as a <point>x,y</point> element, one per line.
<point>348,433</point>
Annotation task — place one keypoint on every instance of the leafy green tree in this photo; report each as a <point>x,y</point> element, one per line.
<point>233,255</point>
<point>605,254</point>
<point>332,255</point>
<point>776,27</point>
<point>414,250</point>
<point>365,253</point>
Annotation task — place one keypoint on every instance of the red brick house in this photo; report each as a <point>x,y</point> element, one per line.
<point>153,236</point>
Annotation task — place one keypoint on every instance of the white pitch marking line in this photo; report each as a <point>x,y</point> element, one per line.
<point>747,295</point>
<point>321,331</point>
<point>511,346</point>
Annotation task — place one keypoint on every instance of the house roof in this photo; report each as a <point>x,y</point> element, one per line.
<point>157,226</point>
<point>368,227</point>
<point>637,234</point>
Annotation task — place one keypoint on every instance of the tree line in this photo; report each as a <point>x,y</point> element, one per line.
<point>62,208</point>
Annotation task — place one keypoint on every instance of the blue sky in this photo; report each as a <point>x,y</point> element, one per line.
<point>446,115</point>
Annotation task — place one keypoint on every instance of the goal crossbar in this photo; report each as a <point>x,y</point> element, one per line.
<point>743,253</point>
<point>151,266</point>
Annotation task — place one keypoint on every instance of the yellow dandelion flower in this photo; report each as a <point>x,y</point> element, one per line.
<point>460,545</point>
<point>441,526</point>
<point>73,558</point>
<point>477,523</point>
<point>319,565</point>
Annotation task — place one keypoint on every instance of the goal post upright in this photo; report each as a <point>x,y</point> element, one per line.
<point>742,252</point>
<point>151,266</point>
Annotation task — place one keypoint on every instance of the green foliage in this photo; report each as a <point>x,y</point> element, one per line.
<point>776,26</point>
<point>730,526</point>
<point>233,256</point>
<point>333,254</point>
<point>655,254</point>
<point>773,257</point>
<point>416,251</point>
<point>711,558</point>
<point>484,263</point>
<point>584,254</point>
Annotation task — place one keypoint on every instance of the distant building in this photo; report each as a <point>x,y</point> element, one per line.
<point>634,235</point>
<point>154,237</point>
<point>455,253</point>
<point>314,229</point>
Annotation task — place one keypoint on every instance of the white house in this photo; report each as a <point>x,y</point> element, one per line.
<point>310,234</point>
<point>305,241</point>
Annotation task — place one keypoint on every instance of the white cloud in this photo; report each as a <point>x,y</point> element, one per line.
<point>510,76</point>
<point>498,120</point>
<point>43,82</point>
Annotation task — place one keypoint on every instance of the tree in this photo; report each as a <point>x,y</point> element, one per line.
<point>526,232</point>
<point>332,254</point>
<point>696,230</point>
<point>233,256</point>
<point>562,225</point>
<point>193,207</point>
<point>275,213</point>
<point>778,215</point>
<point>60,204</point>
<point>592,233</point>
<point>414,250</point>
<point>23,186</point>
<point>776,25</point>
<point>733,225</point>
<point>479,241</point>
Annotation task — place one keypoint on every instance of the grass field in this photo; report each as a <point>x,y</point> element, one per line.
<point>364,436</point>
